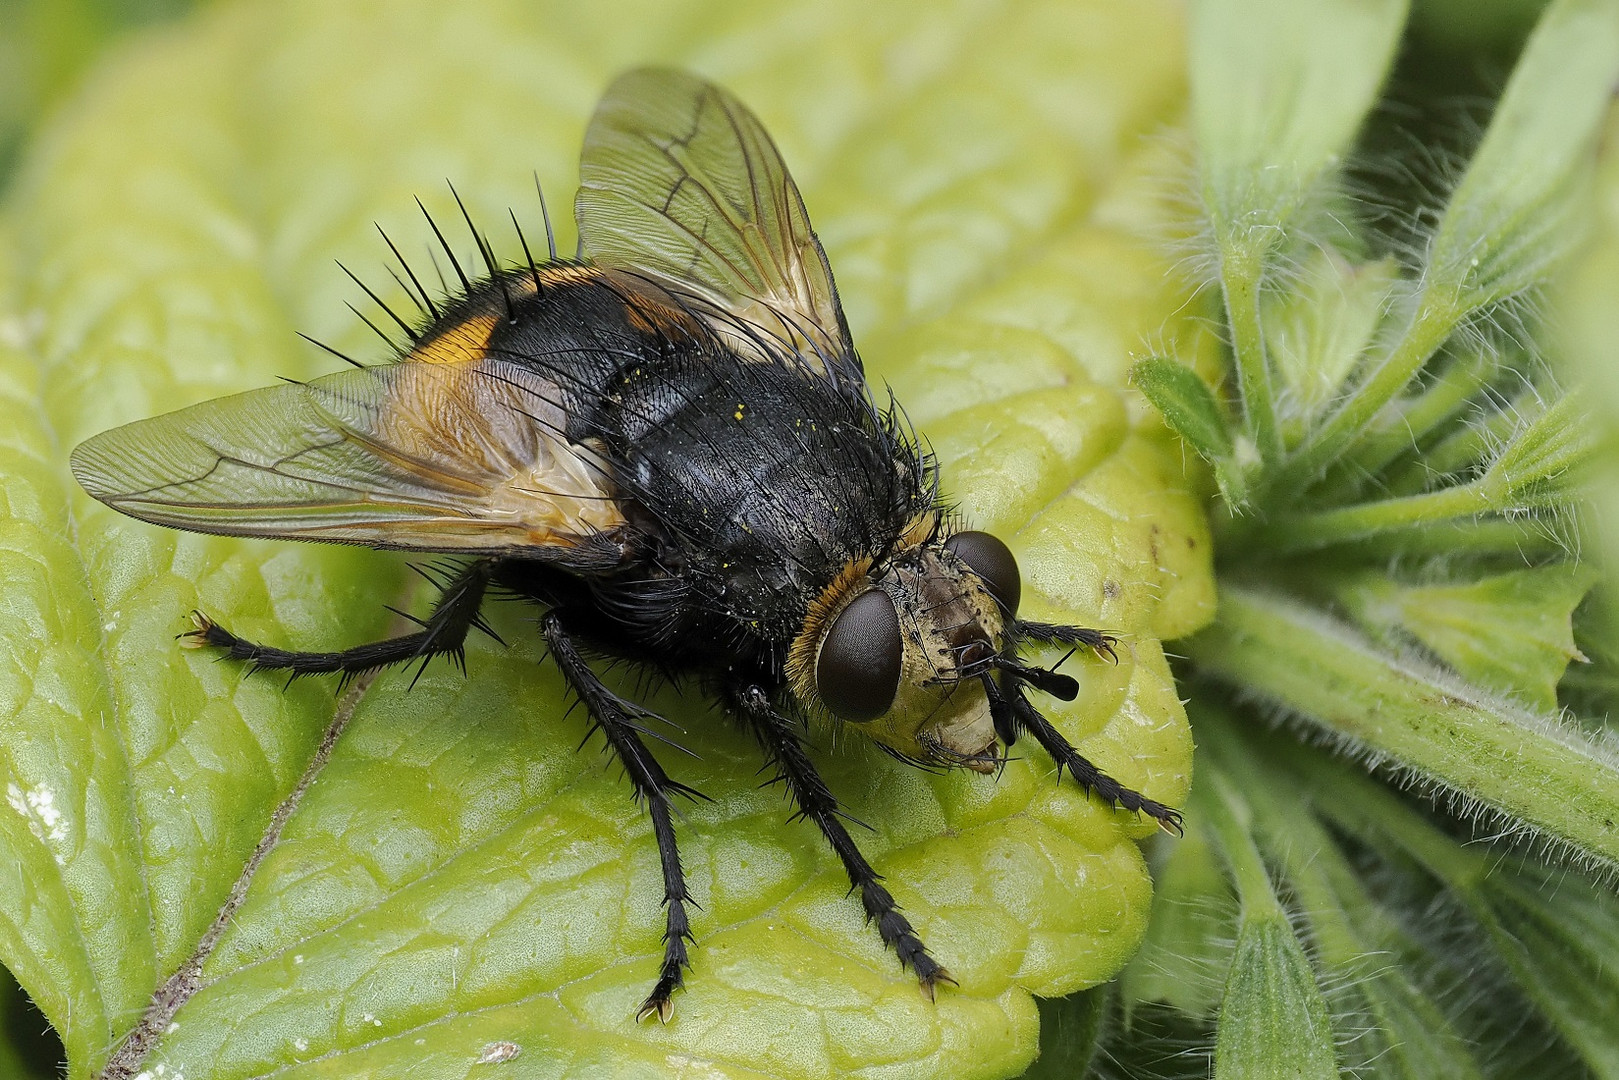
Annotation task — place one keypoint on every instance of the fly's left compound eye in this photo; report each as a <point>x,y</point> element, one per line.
<point>857,673</point>
<point>992,561</point>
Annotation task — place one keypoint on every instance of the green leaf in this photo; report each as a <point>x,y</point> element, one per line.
<point>1502,226</point>
<point>1273,1018</point>
<point>45,45</point>
<point>1273,1022</point>
<point>1505,227</point>
<point>1512,632</point>
<point>1317,330</point>
<point>1278,92</point>
<point>1189,407</point>
<point>1555,932</point>
<point>1545,463</point>
<point>458,876</point>
<point>1538,771</point>
<point>1358,946</point>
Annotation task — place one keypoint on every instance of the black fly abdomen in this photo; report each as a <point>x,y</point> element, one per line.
<point>670,448</point>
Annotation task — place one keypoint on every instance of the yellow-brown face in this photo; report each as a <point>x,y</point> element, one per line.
<point>901,648</point>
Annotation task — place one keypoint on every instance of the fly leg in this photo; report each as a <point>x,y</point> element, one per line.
<point>617,721</point>
<point>443,632</point>
<point>1052,634</point>
<point>1013,715</point>
<point>815,801</point>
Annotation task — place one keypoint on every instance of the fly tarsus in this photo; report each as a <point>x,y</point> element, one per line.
<point>677,929</point>
<point>1012,715</point>
<point>1098,641</point>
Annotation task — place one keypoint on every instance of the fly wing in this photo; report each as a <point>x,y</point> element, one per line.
<point>459,457</point>
<point>679,181</point>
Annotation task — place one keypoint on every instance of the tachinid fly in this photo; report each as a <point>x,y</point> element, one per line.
<point>668,444</point>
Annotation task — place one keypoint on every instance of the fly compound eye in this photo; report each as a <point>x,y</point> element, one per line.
<point>992,561</point>
<point>857,673</point>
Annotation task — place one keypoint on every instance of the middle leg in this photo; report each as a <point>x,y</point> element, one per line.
<point>617,721</point>
<point>816,802</point>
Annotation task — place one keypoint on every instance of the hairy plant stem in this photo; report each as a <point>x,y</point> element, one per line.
<point>1437,315</point>
<point>1415,419</point>
<point>1326,528</point>
<point>1239,281</point>
<point>1530,767</point>
<point>1231,819</point>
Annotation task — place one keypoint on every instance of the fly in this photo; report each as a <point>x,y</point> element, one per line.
<point>667,444</point>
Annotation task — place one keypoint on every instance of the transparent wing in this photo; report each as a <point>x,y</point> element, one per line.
<point>679,180</point>
<point>459,457</point>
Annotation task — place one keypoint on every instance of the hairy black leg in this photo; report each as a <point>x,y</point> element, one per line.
<point>443,632</point>
<point>815,801</point>
<point>1013,715</point>
<point>1052,634</point>
<point>617,721</point>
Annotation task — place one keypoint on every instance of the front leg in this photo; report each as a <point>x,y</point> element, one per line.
<point>1013,715</point>
<point>815,801</point>
<point>1052,634</point>
<point>616,719</point>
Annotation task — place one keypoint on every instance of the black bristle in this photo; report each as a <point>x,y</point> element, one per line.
<point>327,348</point>
<point>426,300</point>
<point>488,254</point>
<point>444,288</point>
<point>533,271</point>
<point>375,329</point>
<point>414,299</point>
<point>466,285</point>
<point>410,331</point>
<point>545,214</point>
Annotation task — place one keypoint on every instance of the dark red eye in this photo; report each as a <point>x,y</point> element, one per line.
<point>857,673</point>
<point>992,561</point>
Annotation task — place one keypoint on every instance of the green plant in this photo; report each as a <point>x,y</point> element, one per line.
<point>1403,479</point>
<point>1369,420</point>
